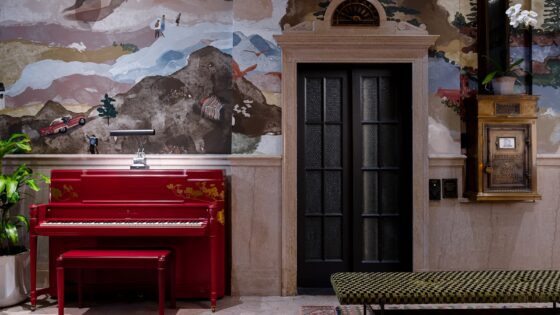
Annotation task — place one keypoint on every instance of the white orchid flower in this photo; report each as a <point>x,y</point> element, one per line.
<point>530,22</point>
<point>513,10</point>
<point>518,17</point>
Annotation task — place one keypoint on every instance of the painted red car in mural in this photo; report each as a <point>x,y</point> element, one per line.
<point>62,124</point>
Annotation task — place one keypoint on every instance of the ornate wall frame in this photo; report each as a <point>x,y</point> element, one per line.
<point>321,42</point>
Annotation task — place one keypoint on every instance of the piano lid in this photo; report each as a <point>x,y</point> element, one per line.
<point>136,186</point>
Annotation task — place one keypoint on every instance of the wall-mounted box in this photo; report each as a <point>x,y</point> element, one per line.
<point>501,148</point>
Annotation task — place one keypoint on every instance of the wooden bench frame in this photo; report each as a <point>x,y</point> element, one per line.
<point>446,287</point>
<point>162,260</point>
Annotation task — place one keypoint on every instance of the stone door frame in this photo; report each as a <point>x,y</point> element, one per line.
<point>319,42</point>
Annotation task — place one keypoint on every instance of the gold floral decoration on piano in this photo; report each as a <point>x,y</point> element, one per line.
<point>221,217</point>
<point>66,193</point>
<point>202,191</point>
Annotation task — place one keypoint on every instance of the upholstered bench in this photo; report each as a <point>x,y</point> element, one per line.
<point>446,287</point>
<point>160,260</point>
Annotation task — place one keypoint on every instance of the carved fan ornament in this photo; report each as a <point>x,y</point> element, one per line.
<point>355,13</point>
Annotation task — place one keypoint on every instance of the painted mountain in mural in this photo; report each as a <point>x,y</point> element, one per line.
<point>192,110</point>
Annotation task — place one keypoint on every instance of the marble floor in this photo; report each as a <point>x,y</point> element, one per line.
<point>270,305</point>
<point>229,305</point>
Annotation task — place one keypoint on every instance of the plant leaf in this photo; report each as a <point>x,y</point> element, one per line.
<point>32,184</point>
<point>26,147</point>
<point>18,135</point>
<point>11,233</point>
<point>3,182</point>
<point>11,187</point>
<point>496,65</point>
<point>46,179</point>
<point>516,63</point>
<point>23,219</point>
<point>489,77</point>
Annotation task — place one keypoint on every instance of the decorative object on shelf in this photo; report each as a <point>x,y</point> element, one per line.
<point>501,148</point>
<point>503,80</point>
<point>14,258</point>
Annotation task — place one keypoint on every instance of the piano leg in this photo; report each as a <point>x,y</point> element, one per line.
<point>80,288</point>
<point>33,266</point>
<point>60,291</point>
<point>213,262</point>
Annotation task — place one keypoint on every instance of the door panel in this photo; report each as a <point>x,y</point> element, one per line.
<point>381,135</point>
<point>354,170</point>
<point>322,177</point>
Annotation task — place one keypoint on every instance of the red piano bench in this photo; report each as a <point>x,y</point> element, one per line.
<point>162,260</point>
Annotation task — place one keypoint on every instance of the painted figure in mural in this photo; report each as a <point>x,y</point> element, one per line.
<point>92,141</point>
<point>157,29</point>
<point>162,28</point>
<point>178,19</point>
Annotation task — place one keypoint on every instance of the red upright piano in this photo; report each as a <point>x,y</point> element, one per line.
<point>182,210</point>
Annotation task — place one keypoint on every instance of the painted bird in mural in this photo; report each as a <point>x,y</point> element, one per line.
<point>237,73</point>
<point>275,74</point>
<point>254,52</point>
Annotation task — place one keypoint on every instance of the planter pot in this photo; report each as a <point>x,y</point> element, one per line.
<point>504,85</point>
<point>14,278</point>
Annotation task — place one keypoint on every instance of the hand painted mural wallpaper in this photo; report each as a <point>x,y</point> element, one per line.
<point>72,70</point>
<point>206,74</point>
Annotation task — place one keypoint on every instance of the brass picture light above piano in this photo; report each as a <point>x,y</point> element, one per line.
<point>177,210</point>
<point>139,161</point>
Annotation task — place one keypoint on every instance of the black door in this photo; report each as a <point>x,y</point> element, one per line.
<point>354,170</point>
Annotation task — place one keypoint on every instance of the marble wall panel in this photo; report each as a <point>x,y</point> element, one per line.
<point>463,235</point>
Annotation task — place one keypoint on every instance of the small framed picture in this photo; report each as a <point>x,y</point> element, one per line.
<point>506,143</point>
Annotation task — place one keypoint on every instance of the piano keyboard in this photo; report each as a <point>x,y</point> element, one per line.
<point>163,223</point>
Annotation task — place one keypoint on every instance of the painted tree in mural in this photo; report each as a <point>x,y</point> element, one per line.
<point>471,17</point>
<point>391,8</point>
<point>551,16</point>
<point>459,20</point>
<point>107,109</point>
<point>320,14</point>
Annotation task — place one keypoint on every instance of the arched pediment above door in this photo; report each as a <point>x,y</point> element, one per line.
<point>357,17</point>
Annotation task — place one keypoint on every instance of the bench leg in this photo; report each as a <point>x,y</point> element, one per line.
<point>60,289</point>
<point>161,289</point>
<point>172,283</point>
<point>80,288</point>
<point>371,311</point>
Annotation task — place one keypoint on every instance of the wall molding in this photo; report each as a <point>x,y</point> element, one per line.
<point>447,160</point>
<point>154,160</point>
<point>458,160</point>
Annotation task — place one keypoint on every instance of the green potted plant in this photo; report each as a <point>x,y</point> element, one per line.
<point>503,80</point>
<point>13,256</point>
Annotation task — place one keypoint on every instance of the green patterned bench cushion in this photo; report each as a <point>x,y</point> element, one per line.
<point>447,287</point>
